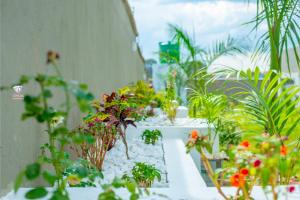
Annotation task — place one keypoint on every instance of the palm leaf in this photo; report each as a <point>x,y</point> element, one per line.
<point>268,102</point>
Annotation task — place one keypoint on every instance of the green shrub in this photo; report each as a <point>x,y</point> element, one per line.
<point>144,174</point>
<point>151,136</point>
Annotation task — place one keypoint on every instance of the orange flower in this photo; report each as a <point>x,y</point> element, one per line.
<point>283,150</point>
<point>245,144</point>
<point>237,180</point>
<point>194,134</point>
<point>244,171</point>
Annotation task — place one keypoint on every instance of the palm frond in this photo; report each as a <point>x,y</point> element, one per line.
<point>229,46</point>
<point>282,19</point>
<point>267,100</point>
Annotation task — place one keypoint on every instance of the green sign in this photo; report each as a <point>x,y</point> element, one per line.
<point>169,52</point>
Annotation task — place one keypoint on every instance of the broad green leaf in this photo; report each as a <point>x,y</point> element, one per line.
<point>59,196</point>
<point>33,171</point>
<point>81,171</point>
<point>19,181</point>
<point>131,187</point>
<point>49,178</point>
<point>36,193</point>
<point>265,176</point>
<point>134,197</point>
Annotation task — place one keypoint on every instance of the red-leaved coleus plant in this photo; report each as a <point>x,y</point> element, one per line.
<point>116,111</point>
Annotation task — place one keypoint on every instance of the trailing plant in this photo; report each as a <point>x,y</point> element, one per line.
<point>265,162</point>
<point>39,107</point>
<point>144,174</point>
<point>151,136</point>
<point>116,112</point>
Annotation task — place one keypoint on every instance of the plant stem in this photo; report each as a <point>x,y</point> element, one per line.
<point>52,147</point>
<point>210,173</point>
<point>67,95</point>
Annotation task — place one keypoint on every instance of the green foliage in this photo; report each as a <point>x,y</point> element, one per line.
<point>227,131</point>
<point>208,105</point>
<point>268,102</point>
<point>36,193</point>
<point>194,58</point>
<point>151,136</point>
<point>141,96</point>
<point>144,174</point>
<point>170,108</point>
<point>38,106</point>
<point>109,193</point>
<point>115,112</point>
<point>84,173</point>
<point>170,103</point>
<point>32,171</point>
<point>19,181</point>
<point>282,20</point>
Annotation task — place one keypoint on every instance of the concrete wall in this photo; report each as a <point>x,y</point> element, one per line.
<point>94,39</point>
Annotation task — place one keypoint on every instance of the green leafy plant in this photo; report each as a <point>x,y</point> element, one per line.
<point>142,97</point>
<point>144,174</point>
<point>102,137</point>
<point>207,105</point>
<point>282,20</point>
<point>116,112</point>
<point>170,104</point>
<point>151,136</point>
<point>228,133</point>
<point>82,174</point>
<point>110,194</point>
<point>210,107</point>
<point>265,162</point>
<point>170,108</point>
<point>193,58</point>
<point>38,106</point>
<point>268,101</point>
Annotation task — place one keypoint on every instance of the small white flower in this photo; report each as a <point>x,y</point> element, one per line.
<point>56,121</point>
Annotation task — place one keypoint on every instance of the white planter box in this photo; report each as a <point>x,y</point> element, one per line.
<point>185,181</point>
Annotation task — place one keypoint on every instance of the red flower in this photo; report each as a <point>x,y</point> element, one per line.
<point>237,180</point>
<point>97,119</point>
<point>291,188</point>
<point>244,171</point>
<point>194,134</point>
<point>245,144</point>
<point>256,163</point>
<point>283,150</point>
<point>91,124</point>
